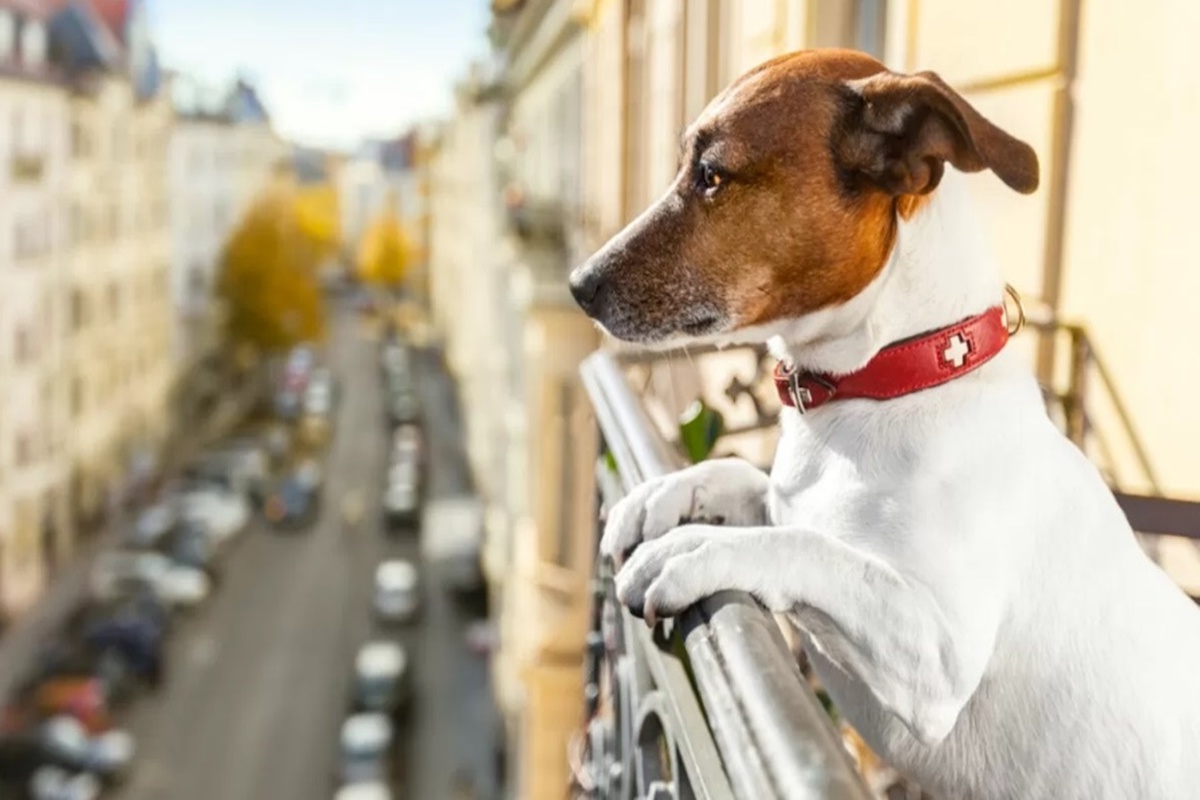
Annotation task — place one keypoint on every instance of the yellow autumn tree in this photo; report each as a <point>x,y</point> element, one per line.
<point>317,214</point>
<point>268,279</point>
<point>384,253</point>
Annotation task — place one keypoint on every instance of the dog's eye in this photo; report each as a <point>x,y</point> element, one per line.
<point>711,179</point>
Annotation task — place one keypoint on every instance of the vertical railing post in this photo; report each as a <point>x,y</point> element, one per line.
<point>1076,405</point>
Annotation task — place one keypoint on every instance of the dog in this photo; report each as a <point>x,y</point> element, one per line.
<point>967,587</point>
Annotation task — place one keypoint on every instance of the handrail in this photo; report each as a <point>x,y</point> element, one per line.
<point>754,708</point>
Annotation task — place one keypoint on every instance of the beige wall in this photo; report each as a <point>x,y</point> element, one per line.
<point>1130,270</point>
<point>119,261</point>
<point>33,425</point>
<point>1104,240</point>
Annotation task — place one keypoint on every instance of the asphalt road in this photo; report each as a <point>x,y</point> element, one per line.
<point>258,681</point>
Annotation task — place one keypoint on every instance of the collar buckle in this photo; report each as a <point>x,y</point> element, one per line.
<point>800,394</point>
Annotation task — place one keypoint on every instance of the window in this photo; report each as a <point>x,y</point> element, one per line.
<point>78,310</point>
<point>24,451</point>
<point>78,224</point>
<point>8,35</point>
<point>33,44</point>
<point>196,282</point>
<point>77,397</point>
<point>79,143</point>
<point>23,344</point>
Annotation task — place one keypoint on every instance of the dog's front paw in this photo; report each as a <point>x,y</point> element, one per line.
<point>665,576</point>
<point>725,491</point>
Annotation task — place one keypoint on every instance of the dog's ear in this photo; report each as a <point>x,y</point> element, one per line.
<point>899,130</point>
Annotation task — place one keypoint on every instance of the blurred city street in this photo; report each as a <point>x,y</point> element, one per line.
<point>260,679</point>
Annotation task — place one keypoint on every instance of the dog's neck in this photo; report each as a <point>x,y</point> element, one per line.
<point>940,271</point>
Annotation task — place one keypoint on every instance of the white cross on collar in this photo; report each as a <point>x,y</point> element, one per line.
<point>956,352</point>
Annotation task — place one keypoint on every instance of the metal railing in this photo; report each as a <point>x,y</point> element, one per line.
<point>1089,381</point>
<point>711,705</point>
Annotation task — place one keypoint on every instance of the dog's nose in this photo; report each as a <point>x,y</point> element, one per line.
<point>588,289</point>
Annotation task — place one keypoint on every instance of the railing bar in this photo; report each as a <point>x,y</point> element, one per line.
<point>1162,516</point>
<point>703,761</point>
<point>771,734</point>
<point>1127,421</point>
<point>624,414</point>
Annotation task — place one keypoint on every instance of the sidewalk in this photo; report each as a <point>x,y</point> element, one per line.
<point>23,639</point>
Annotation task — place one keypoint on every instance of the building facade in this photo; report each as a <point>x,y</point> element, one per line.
<point>83,273</point>
<point>34,437</point>
<point>222,153</point>
<point>119,305</point>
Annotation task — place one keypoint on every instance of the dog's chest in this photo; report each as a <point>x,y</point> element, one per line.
<point>837,482</point>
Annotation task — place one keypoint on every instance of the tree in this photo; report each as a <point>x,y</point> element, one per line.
<point>268,279</point>
<point>317,214</point>
<point>384,253</point>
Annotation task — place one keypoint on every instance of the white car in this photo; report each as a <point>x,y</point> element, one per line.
<point>401,505</point>
<point>366,745</point>
<point>381,682</point>
<point>364,791</point>
<point>53,783</point>
<point>224,514</point>
<point>406,443</point>
<point>397,591</point>
<point>175,585</point>
<point>318,400</point>
<point>106,754</point>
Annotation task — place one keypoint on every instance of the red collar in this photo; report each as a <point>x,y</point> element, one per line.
<point>908,366</point>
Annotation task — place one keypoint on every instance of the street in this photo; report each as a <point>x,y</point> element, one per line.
<point>259,679</point>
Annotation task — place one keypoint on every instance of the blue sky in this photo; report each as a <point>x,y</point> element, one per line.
<point>330,71</point>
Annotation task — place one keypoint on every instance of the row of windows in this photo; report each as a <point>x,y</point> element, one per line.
<point>102,390</point>
<point>122,142</point>
<point>34,233</point>
<point>112,301</point>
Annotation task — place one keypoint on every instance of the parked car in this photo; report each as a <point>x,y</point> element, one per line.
<point>54,783</point>
<point>406,443</point>
<point>107,755</point>
<point>366,749</point>
<point>397,591</point>
<point>137,633</point>
<point>374,790</point>
<point>401,505</point>
<point>224,514</point>
<point>70,658</point>
<point>320,394</point>
<point>293,503</point>
<point>395,359</point>
<point>121,572</point>
<point>243,469</point>
<point>82,698</point>
<point>152,524</point>
<point>382,679</point>
<point>28,769</point>
<point>403,406</point>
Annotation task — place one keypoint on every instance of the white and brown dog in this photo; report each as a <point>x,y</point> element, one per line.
<point>970,592</point>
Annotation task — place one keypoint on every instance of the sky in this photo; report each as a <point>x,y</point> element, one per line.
<point>329,71</point>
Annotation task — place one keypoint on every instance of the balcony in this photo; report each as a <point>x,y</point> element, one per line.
<point>714,703</point>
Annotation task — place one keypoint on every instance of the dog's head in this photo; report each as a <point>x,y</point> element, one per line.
<point>790,187</point>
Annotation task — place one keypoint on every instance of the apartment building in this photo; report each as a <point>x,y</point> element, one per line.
<point>119,311</point>
<point>222,153</point>
<point>34,456</point>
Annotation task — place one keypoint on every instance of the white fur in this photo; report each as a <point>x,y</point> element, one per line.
<point>971,594</point>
